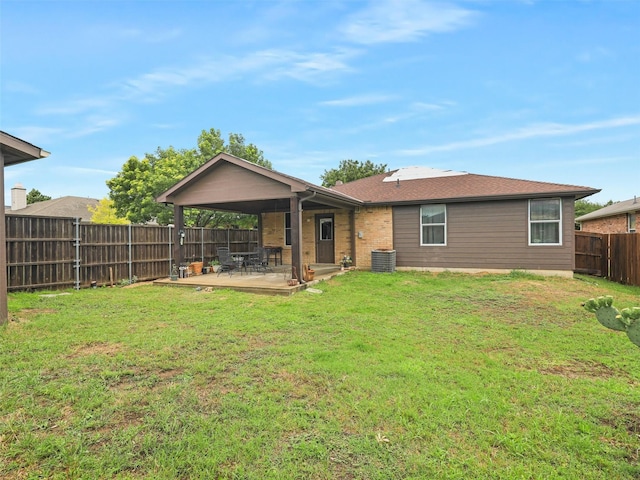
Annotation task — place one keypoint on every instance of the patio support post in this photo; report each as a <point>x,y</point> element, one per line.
<point>4,311</point>
<point>178,220</point>
<point>259,230</point>
<point>296,235</point>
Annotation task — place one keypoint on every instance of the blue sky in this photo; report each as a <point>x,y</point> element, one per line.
<point>539,90</point>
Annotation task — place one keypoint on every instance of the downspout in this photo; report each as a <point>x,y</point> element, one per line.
<point>307,198</point>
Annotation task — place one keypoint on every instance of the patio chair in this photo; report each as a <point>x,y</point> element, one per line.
<point>227,263</point>
<point>260,261</point>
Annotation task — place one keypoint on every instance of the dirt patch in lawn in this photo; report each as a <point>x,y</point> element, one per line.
<point>96,348</point>
<point>582,370</point>
<point>26,314</point>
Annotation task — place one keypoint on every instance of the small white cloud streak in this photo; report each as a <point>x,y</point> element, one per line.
<point>533,131</point>
<point>265,64</point>
<point>88,171</point>
<point>404,21</point>
<point>37,135</point>
<point>358,101</point>
<point>19,87</point>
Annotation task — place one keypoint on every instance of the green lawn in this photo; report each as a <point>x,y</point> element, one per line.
<point>382,376</point>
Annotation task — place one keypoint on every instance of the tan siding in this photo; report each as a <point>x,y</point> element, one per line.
<point>230,183</point>
<point>491,235</point>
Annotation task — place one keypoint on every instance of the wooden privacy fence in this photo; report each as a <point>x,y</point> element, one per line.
<point>615,256</point>
<point>52,252</point>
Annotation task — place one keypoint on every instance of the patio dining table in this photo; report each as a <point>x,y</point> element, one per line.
<point>241,259</point>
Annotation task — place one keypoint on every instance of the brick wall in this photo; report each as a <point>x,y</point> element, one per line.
<point>273,234</point>
<point>615,224</point>
<point>376,225</point>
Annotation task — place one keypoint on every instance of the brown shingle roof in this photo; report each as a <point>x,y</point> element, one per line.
<point>627,206</point>
<point>467,187</point>
<point>75,207</point>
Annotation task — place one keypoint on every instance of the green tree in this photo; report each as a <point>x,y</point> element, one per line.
<point>583,207</point>
<point>350,170</point>
<point>134,189</point>
<point>104,213</point>
<point>35,196</point>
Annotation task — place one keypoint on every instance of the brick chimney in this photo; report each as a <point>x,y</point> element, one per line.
<point>18,197</point>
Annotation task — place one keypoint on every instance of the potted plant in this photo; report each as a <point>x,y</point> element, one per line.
<point>214,265</point>
<point>346,262</point>
<point>174,273</point>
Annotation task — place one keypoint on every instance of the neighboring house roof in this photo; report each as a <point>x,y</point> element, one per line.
<point>619,208</point>
<point>417,184</point>
<point>76,207</point>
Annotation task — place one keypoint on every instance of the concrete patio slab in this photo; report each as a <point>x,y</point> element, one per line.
<point>270,283</point>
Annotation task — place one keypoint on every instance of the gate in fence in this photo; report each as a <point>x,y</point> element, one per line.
<point>615,256</point>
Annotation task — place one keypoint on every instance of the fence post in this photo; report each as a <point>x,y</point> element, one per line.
<point>76,243</point>
<point>130,257</point>
<point>170,249</point>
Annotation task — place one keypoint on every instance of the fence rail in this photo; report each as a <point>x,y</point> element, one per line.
<point>615,256</point>
<point>52,252</point>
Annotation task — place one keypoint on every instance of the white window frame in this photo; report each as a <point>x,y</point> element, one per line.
<point>558,221</point>
<point>444,225</point>
<point>285,228</point>
<point>632,228</point>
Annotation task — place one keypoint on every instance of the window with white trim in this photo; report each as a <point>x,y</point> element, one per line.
<point>433,224</point>
<point>631,220</point>
<point>545,221</point>
<point>287,229</point>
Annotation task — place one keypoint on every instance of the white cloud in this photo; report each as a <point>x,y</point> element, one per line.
<point>37,135</point>
<point>102,112</point>
<point>87,171</point>
<point>532,131</point>
<point>404,21</point>
<point>265,64</point>
<point>93,124</point>
<point>152,36</point>
<point>19,87</point>
<point>358,100</point>
<point>74,106</point>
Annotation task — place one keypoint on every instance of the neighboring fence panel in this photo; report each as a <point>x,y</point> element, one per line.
<point>624,258</point>
<point>615,256</point>
<point>40,252</point>
<point>589,254</point>
<point>49,252</point>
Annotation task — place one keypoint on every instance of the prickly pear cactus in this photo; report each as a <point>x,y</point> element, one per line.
<point>627,320</point>
<point>631,318</point>
<point>606,313</point>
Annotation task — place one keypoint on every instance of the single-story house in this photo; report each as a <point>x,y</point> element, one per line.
<point>620,217</point>
<point>13,150</point>
<point>67,206</point>
<point>433,219</point>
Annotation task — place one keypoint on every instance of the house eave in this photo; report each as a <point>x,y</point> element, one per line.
<point>15,150</point>
<point>485,198</point>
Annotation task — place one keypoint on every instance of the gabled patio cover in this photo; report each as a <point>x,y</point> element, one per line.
<point>229,183</point>
<point>12,151</point>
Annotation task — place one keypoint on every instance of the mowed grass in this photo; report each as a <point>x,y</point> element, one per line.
<point>382,376</point>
